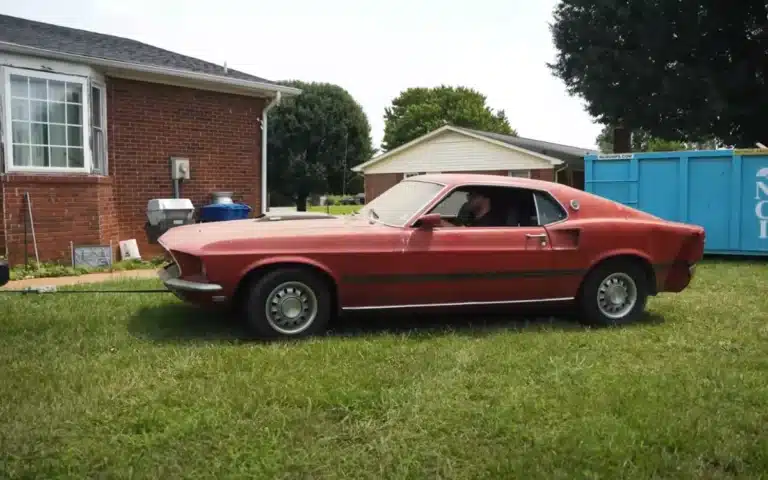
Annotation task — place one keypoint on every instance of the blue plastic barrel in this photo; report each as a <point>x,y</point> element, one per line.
<point>220,212</point>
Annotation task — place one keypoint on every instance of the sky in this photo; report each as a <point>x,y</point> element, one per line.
<point>372,49</point>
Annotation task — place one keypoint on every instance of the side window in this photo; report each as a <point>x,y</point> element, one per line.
<point>547,209</point>
<point>451,204</point>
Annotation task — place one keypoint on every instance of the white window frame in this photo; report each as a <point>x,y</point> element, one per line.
<point>412,174</point>
<point>516,173</point>
<point>86,123</point>
<point>102,88</point>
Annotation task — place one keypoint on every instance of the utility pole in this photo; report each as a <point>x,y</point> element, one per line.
<point>344,168</point>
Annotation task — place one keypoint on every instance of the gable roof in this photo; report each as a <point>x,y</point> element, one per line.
<point>44,39</point>
<point>535,144</point>
<point>462,131</point>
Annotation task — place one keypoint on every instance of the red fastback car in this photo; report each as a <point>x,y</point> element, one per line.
<point>410,249</point>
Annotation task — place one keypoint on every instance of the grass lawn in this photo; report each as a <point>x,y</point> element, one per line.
<point>142,386</point>
<point>335,209</point>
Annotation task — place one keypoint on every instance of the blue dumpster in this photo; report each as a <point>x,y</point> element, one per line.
<point>724,191</point>
<point>220,212</point>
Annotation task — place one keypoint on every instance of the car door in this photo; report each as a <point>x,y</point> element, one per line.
<point>477,264</point>
<point>484,265</point>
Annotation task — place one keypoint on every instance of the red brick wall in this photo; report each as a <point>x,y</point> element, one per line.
<point>377,183</point>
<point>64,209</point>
<point>3,251</point>
<point>147,123</point>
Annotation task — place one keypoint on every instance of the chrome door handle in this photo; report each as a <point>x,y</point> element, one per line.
<point>536,235</point>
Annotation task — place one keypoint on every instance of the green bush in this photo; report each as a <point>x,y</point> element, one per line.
<point>51,270</point>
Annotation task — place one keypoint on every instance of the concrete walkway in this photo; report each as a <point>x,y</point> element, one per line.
<point>80,279</point>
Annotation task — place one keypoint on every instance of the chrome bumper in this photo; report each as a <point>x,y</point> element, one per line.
<point>170,277</point>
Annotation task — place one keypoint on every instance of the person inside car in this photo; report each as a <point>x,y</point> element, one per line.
<point>477,212</point>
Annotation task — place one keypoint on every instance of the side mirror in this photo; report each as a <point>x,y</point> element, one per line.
<point>429,221</point>
<point>5,272</point>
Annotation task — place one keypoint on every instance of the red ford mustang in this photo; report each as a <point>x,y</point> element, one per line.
<point>443,240</point>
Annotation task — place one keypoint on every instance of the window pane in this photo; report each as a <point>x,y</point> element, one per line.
<point>76,157</point>
<point>56,91</point>
<point>19,86</point>
<point>58,135</point>
<point>39,134</point>
<point>549,210</point>
<point>37,88</point>
<point>96,106</point>
<point>59,157</point>
<point>39,111</point>
<point>74,116</point>
<point>20,156</point>
<point>74,93</point>
<point>20,132</point>
<point>20,109</point>
<point>450,206</point>
<point>56,112</point>
<point>75,135</point>
<point>98,150</point>
<point>39,156</point>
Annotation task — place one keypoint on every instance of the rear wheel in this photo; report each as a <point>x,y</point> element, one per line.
<point>614,293</point>
<point>288,303</point>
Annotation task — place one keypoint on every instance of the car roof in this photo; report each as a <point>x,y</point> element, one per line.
<point>454,179</point>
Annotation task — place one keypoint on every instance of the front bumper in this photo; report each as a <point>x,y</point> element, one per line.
<point>170,277</point>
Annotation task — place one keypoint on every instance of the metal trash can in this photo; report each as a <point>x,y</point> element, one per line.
<point>222,212</point>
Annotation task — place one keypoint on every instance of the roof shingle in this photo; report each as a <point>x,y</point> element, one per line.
<point>109,47</point>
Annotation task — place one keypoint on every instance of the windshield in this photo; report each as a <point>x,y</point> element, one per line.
<point>396,205</point>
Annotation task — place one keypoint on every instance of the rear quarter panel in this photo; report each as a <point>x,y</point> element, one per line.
<point>580,245</point>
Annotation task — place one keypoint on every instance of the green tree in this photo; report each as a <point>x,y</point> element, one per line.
<point>678,70</point>
<point>642,141</point>
<point>418,111</point>
<point>314,139</point>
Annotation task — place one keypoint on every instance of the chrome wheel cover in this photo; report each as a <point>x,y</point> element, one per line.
<point>291,307</point>
<point>616,295</point>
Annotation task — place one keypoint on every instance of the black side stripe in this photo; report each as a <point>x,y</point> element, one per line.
<point>459,276</point>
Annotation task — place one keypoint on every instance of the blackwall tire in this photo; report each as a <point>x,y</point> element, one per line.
<point>288,303</point>
<point>615,293</point>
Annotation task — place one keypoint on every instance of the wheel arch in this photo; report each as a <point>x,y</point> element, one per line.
<point>632,256</point>
<point>261,268</point>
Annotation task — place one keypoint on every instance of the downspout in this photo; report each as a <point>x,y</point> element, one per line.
<point>275,101</point>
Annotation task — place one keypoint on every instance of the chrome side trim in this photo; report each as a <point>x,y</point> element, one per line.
<point>460,304</point>
<point>187,286</point>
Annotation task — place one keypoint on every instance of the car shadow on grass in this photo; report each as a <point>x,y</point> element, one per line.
<point>184,323</point>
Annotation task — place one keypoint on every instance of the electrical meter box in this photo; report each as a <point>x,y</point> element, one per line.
<point>166,213</point>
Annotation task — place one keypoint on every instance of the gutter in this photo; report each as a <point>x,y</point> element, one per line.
<point>264,199</point>
<point>149,69</point>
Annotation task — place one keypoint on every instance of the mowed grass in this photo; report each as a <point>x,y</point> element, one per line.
<point>141,386</point>
<point>335,209</point>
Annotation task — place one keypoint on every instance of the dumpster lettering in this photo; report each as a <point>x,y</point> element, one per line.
<point>761,199</point>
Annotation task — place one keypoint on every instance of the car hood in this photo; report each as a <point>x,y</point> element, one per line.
<point>240,232</point>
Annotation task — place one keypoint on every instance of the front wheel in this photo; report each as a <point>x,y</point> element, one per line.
<point>615,293</point>
<point>288,303</point>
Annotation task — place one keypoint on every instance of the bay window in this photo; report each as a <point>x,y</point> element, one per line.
<point>53,123</point>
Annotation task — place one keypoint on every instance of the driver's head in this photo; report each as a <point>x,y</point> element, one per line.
<point>478,202</point>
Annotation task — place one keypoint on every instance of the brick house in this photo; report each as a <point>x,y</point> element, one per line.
<point>452,149</point>
<point>89,123</point>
